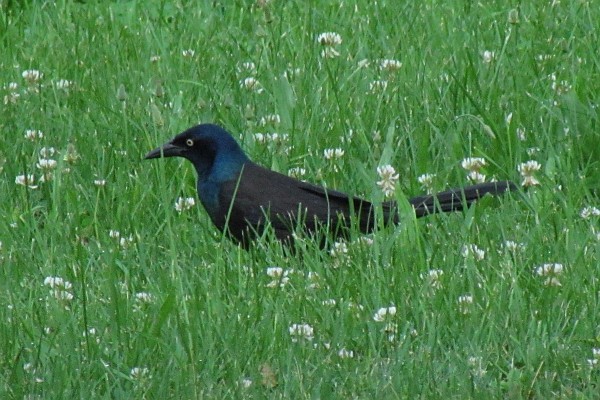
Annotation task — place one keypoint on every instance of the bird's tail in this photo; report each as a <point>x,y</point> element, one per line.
<point>458,199</point>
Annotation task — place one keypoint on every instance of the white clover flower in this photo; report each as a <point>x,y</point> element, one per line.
<point>124,242</point>
<point>314,280</point>
<point>291,72</point>
<point>278,138</point>
<point>270,119</point>
<point>60,289</point>
<point>275,138</point>
<point>388,179</point>
<point>464,303</point>
<point>11,98</point>
<point>33,134</point>
<point>247,67</point>
<point>301,331</point>
<point>32,75</point>
<point>184,204</point>
<point>331,154</point>
<point>529,168</point>
<point>144,297</point>
<point>56,282</point>
<point>488,56</point>
<point>384,313</point>
<point>155,59</point>
<point>63,84</point>
<point>378,86</point>
<point>47,152</point>
<point>390,65</point>
<point>365,241</point>
<point>246,383</point>
<point>513,246</point>
<point>279,276</point>
<point>527,171</point>
<point>544,57</point>
<point>339,249</point>
<point>344,353</point>
<point>260,137</point>
<point>560,87</point>
<point>100,182</point>
<point>474,251</point>
<point>90,332</point>
<point>297,172</point>
<point>71,154</point>
<point>26,180</point>
<point>476,177</point>
<point>426,181</point>
<point>329,39</point>
<point>433,277</point>
<point>589,211</point>
<point>551,271</point>
<point>138,373</point>
<point>251,84</point>
<point>473,163</point>
<point>114,234</point>
<point>275,272</point>
<point>465,299</point>
<point>188,53</point>
<point>46,164</point>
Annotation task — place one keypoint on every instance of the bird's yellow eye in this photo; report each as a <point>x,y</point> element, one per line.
<point>189,142</point>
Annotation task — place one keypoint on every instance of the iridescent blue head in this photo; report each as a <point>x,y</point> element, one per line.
<point>214,152</point>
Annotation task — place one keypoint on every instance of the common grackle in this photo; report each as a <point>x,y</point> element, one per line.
<point>242,197</point>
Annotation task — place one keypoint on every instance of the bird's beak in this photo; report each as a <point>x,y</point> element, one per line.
<point>166,150</point>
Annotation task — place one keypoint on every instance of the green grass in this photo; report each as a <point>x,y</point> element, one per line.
<point>211,318</point>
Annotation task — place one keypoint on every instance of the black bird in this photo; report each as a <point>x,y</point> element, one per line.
<point>242,198</point>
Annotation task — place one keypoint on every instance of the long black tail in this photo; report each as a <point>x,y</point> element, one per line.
<point>459,198</point>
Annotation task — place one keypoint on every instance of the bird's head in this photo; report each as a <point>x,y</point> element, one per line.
<point>212,150</point>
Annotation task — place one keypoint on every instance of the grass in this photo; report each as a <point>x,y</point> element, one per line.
<point>200,318</point>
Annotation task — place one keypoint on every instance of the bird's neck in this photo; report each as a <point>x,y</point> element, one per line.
<point>220,169</point>
<point>210,178</point>
<point>227,167</point>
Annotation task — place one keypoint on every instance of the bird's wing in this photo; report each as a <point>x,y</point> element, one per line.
<point>262,194</point>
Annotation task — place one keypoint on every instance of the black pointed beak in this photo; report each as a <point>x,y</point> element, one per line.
<point>166,150</point>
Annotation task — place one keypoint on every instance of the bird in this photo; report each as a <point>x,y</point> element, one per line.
<point>244,199</point>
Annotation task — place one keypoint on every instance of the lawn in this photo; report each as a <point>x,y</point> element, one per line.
<point>115,284</point>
